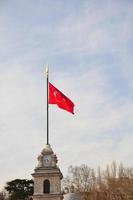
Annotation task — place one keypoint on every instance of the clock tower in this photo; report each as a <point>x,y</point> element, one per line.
<point>47,176</point>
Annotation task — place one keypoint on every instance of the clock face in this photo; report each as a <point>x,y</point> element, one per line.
<point>47,160</point>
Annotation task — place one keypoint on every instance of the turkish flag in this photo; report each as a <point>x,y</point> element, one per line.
<point>57,97</point>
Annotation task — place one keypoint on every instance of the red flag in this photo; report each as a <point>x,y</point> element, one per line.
<point>57,97</point>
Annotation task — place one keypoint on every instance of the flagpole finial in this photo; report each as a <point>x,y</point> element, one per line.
<point>47,70</point>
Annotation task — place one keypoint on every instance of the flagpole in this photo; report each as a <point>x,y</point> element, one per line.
<point>47,80</point>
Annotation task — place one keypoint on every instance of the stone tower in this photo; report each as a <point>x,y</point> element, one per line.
<point>47,177</point>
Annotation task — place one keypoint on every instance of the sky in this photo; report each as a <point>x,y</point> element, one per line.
<point>88,45</point>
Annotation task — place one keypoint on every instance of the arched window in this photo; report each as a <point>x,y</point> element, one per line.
<point>46,186</point>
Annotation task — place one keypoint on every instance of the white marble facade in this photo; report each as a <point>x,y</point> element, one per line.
<point>47,177</point>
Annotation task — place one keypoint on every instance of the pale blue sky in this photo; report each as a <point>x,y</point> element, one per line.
<point>88,45</point>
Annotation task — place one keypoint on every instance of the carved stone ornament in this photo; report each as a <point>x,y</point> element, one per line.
<point>45,152</point>
<point>40,160</point>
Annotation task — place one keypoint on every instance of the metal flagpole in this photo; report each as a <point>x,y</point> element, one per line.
<point>47,79</point>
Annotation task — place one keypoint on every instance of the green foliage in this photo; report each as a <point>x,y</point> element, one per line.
<point>20,189</point>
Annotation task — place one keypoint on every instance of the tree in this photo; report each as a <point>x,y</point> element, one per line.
<point>80,179</point>
<point>2,195</point>
<point>113,183</point>
<point>20,189</point>
<point>119,182</point>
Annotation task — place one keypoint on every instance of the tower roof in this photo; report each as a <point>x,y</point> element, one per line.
<point>47,150</point>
